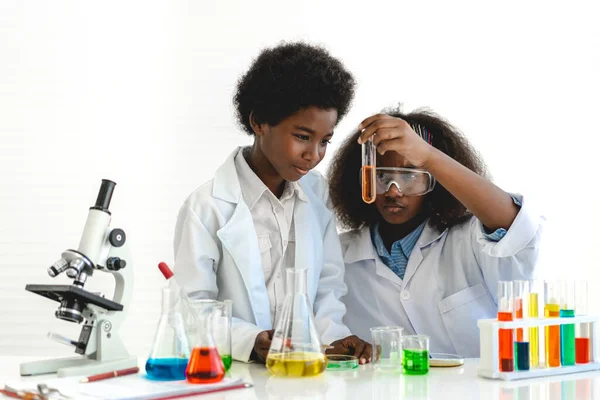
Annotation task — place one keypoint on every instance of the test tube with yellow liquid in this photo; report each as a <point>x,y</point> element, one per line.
<point>552,332</point>
<point>533,312</point>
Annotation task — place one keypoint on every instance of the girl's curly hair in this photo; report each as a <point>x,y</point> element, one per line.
<point>444,209</point>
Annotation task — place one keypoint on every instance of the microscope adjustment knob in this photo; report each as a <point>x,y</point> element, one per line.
<point>117,237</point>
<point>115,263</point>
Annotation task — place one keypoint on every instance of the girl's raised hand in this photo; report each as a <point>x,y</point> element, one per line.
<point>395,134</point>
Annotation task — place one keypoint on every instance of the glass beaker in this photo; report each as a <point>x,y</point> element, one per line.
<point>415,354</point>
<point>171,349</point>
<point>296,347</point>
<point>387,347</point>
<point>220,315</point>
<point>206,365</point>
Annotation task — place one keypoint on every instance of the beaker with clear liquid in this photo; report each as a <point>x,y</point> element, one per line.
<point>296,349</point>
<point>170,352</point>
<point>206,364</point>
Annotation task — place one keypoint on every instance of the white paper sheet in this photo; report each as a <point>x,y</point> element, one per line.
<point>130,387</point>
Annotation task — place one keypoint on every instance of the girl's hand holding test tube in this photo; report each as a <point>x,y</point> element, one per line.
<point>397,135</point>
<point>491,205</point>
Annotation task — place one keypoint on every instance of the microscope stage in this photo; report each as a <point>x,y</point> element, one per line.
<point>60,292</point>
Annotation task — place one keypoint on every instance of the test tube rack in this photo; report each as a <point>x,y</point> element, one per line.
<point>489,351</point>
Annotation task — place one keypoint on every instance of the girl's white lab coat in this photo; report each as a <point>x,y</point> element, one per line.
<point>450,282</point>
<point>217,254</point>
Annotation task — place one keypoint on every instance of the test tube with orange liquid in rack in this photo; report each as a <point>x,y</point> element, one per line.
<point>506,336</point>
<point>368,174</point>
<point>552,332</point>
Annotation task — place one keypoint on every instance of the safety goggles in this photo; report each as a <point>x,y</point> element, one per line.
<point>409,181</point>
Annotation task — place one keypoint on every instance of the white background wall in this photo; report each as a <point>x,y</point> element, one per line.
<point>140,92</point>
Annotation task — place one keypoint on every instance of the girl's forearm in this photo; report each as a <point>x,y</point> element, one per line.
<point>490,204</point>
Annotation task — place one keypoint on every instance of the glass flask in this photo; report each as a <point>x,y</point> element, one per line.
<point>171,349</point>
<point>206,365</point>
<point>296,348</point>
<point>220,314</point>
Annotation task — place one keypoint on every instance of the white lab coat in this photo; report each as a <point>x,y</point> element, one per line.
<point>450,282</point>
<point>217,252</point>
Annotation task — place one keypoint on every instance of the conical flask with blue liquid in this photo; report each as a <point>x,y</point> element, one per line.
<point>170,353</point>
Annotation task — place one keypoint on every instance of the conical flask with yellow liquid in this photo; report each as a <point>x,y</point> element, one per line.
<point>296,349</point>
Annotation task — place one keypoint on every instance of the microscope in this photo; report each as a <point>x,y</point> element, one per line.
<point>99,345</point>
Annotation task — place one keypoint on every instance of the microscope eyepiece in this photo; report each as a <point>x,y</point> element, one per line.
<point>104,195</point>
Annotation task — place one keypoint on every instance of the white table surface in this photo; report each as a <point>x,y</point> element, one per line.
<point>367,383</point>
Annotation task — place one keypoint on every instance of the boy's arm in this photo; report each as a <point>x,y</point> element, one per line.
<point>196,259</point>
<point>196,256</point>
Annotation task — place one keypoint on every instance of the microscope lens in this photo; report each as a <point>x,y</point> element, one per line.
<point>70,310</point>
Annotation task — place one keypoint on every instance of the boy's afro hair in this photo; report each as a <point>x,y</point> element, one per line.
<point>288,78</point>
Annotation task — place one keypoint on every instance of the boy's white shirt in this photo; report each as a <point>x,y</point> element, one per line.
<point>273,223</point>
<point>217,255</point>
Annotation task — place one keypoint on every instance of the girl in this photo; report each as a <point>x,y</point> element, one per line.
<point>266,209</point>
<point>427,255</point>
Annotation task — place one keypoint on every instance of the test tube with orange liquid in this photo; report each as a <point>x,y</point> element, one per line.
<point>582,329</point>
<point>552,333</point>
<point>369,189</point>
<point>506,336</point>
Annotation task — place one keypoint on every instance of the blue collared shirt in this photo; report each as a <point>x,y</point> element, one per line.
<point>401,249</point>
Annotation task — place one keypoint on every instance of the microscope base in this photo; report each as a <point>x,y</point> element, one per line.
<point>74,366</point>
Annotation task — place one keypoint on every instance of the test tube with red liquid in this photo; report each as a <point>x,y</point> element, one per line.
<point>582,329</point>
